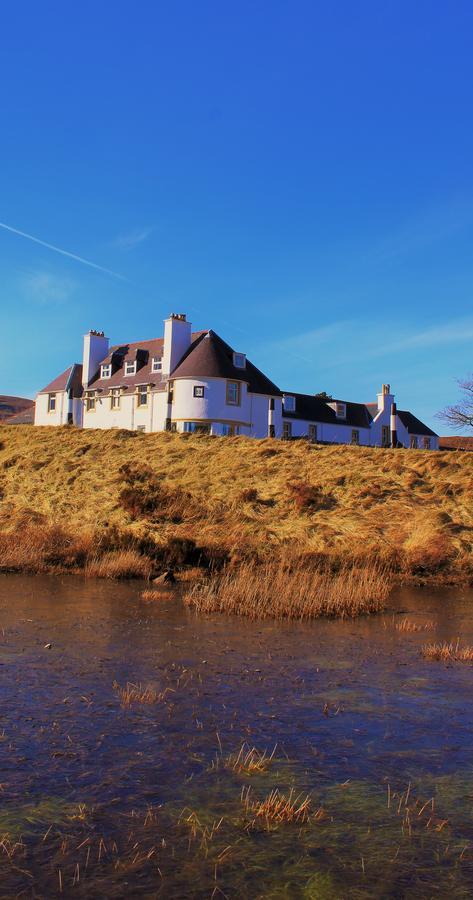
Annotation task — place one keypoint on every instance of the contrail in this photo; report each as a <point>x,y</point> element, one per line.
<point>86,262</point>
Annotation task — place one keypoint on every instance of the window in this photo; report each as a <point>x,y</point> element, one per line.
<point>340,410</point>
<point>385,436</point>
<point>143,394</point>
<point>51,402</point>
<point>156,364</point>
<point>174,427</point>
<point>413,442</point>
<point>239,360</point>
<point>312,432</point>
<point>426,443</point>
<point>233,393</point>
<point>230,430</point>
<point>141,428</point>
<point>355,436</point>
<point>286,430</point>
<point>90,402</point>
<point>198,390</point>
<point>115,398</point>
<point>106,370</point>
<point>289,403</point>
<point>196,427</point>
<point>130,368</point>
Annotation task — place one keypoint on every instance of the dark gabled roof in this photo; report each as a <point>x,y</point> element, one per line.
<point>414,425</point>
<point>314,409</point>
<point>141,352</point>
<point>210,357</point>
<point>70,378</point>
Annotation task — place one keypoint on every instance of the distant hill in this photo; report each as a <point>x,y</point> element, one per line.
<point>11,406</point>
<point>457,442</point>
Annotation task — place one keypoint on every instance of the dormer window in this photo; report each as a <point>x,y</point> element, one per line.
<point>341,410</point>
<point>130,368</point>
<point>106,370</point>
<point>156,364</point>
<point>289,403</point>
<point>239,360</point>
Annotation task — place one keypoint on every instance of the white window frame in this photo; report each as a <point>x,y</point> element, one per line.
<point>129,365</point>
<point>156,364</point>
<point>52,399</point>
<point>142,390</point>
<point>115,395</point>
<point>90,401</point>
<point>239,360</point>
<point>340,410</point>
<point>198,391</point>
<point>385,436</point>
<point>106,370</point>
<point>287,430</point>
<point>230,401</point>
<point>312,432</point>
<point>355,436</point>
<point>426,443</point>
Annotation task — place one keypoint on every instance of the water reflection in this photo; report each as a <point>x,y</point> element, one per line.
<point>352,706</point>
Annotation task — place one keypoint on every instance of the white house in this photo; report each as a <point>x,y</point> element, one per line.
<point>194,381</point>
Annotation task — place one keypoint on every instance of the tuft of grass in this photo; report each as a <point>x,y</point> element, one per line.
<point>136,693</point>
<point>447,652</point>
<point>278,808</point>
<point>407,625</point>
<point>119,564</point>
<point>163,593</point>
<point>272,591</point>
<point>249,760</point>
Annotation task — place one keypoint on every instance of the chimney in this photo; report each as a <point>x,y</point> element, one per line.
<point>385,398</point>
<point>177,339</point>
<point>393,425</point>
<point>95,350</point>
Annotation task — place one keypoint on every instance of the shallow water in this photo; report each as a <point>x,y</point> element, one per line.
<point>98,800</point>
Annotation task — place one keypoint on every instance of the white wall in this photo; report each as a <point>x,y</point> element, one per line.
<point>338,434</point>
<point>95,350</point>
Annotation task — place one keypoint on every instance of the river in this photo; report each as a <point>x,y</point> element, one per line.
<point>103,799</point>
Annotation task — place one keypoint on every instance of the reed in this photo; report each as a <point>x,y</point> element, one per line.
<point>119,564</point>
<point>162,593</point>
<point>278,808</point>
<point>447,652</point>
<point>136,693</point>
<point>272,590</point>
<point>407,625</point>
<point>248,760</point>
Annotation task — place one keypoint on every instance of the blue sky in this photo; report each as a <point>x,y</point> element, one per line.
<point>296,175</point>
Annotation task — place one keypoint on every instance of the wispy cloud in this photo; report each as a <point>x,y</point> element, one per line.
<point>74,256</point>
<point>46,288</point>
<point>132,238</point>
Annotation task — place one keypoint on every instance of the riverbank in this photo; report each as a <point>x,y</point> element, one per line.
<point>123,504</point>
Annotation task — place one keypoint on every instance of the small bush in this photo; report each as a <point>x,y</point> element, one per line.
<point>310,497</point>
<point>249,495</point>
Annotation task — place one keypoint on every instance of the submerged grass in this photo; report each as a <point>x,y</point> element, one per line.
<point>273,590</point>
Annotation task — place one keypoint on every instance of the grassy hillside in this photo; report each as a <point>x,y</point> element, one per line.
<point>237,496</point>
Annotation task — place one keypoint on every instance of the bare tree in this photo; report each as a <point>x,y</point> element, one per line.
<point>460,416</point>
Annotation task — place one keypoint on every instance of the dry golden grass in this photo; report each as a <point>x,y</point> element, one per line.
<point>162,593</point>
<point>119,564</point>
<point>278,808</point>
<point>412,510</point>
<point>448,652</point>
<point>272,590</point>
<point>248,760</point>
<point>406,625</point>
<point>136,693</point>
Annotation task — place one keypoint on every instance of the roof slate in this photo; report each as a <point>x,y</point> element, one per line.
<point>141,352</point>
<point>70,378</point>
<point>314,409</point>
<point>210,357</point>
<point>414,425</point>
